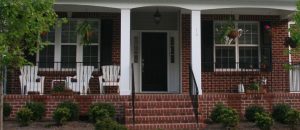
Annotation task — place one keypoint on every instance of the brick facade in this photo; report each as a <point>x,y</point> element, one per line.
<point>166,107</point>
<point>277,79</point>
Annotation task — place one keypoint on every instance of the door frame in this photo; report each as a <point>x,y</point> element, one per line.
<point>169,33</point>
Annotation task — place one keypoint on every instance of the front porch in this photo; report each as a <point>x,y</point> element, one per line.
<point>161,52</point>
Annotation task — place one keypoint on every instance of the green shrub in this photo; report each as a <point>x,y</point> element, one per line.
<point>6,110</point>
<point>96,113</point>
<point>101,111</point>
<point>108,124</point>
<point>73,107</point>
<point>58,89</point>
<point>279,112</point>
<point>250,112</point>
<point>38,110</point>
<point>109,107</point>
<point>61,115</point>
<point>216,112</point>
<point>24,116</point>
<point>229,117</point>
<point>292,118</point>
<point>263,121</point>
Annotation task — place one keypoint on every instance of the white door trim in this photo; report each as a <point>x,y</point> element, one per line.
<point>170,33</point>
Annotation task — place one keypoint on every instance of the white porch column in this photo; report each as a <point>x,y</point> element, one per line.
<point>196,47</point>
<point>125,79</point>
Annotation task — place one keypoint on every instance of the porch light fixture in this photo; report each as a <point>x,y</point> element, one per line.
<point>157,17</point>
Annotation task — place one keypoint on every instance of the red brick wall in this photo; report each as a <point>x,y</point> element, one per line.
<point>206,102</point>
<point>51,102</point>
<point>228,81</point>
<point>241,101</point>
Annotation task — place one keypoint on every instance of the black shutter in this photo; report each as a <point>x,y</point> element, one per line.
<point>106,42</point>
<point>207,41</point>
<point>266,47</point>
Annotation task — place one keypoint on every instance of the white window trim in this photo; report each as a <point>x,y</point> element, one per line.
<point>79,48</point>
<point>236,45</point>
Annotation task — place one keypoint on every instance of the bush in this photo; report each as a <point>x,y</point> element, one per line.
<point>73,107</point>
<point>6,110</point>
<point>61,115</point>
<point>24,116</point>
<point>263,121</point>
<point>109,107</point>
<point>101,111</point>
<point>58,89</point>
<point>280,111</point>
<point>250,112</point>
<point>292,118</point>
<point>96,113</point>
<point>108,124</point>
<point>217,111</point>
<point>38,110</point>
<point>229,117</point>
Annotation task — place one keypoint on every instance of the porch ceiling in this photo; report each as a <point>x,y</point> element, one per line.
<point>187,4</point>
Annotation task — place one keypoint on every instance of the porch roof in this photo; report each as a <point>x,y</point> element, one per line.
<point>187,4</point>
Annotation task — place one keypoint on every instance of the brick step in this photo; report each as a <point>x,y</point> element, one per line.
<point>162,97</point>
<point>160,111</point>
<point>160,104</point>
<point>161,119</point>
<point>170,126</point>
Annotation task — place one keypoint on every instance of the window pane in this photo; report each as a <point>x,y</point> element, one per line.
<point>90,55</point>
<point>248,57</point>
<point>68,56</point>
<point>250,33</point>
<point>95,31</point>
<point>46,57</point>
<point>49,37</point>
<point>225,57</point>
<point>68,32</point>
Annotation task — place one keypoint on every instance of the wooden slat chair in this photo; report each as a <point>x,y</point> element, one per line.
<point>80,82</point>
<point>30,81</point>
<point>110,77</point>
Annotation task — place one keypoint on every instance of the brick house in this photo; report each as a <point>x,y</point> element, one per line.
<point>155,43</point>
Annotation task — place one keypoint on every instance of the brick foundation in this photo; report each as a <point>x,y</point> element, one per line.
<point>164,107</point>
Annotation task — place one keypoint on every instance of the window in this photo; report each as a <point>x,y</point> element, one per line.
<point>46,55</point>
<point>68,44</point>
<point>64,46</point>
<point>243,52</point>
<point>90,52</point>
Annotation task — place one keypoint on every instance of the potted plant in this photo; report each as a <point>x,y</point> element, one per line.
<point>61,90</point>
<point>290,42</point>
<point>228,32</point>
<point>84,29</point>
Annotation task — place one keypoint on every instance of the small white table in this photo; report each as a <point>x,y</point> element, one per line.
<point>58,80</point>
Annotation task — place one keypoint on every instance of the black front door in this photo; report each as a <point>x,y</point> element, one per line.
<point>154,61</point>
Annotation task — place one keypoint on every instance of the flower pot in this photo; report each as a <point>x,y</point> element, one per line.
<point>290,42</point>
<point>233,34</point>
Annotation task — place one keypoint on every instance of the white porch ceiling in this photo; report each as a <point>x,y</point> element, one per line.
<point>187,4</point>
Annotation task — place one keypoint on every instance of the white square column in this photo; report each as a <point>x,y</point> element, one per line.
<point>196,47</point>
<point>125,79</point>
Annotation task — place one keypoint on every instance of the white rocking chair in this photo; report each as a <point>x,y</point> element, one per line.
<point>30,81</point>
<point>110,77</point>
<point>80,82</point>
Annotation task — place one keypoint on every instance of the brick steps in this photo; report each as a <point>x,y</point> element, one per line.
<point>162,104</point>
<point>161,111</point>
<point>170,126</point>
<point>162,119</point>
